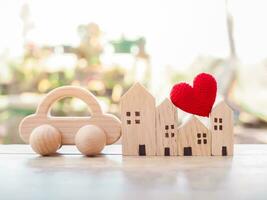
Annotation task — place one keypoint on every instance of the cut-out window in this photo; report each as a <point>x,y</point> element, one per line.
<point>169,133</point>
<point>218,124</point>
<point>69,107</point>
<point>202,138</point>
<point>135,118</point>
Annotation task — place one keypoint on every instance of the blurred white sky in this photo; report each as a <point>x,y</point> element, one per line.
<point>177,31</point>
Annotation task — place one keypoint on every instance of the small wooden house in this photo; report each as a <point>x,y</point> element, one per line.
<point>167,129</point>
<point>194,138</point>
<point>221,120</point>
<point>138,122</point>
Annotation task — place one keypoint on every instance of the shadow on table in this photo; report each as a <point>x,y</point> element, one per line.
<point>76,161</point>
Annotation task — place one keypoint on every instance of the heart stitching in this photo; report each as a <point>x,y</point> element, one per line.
<point>198,99</point>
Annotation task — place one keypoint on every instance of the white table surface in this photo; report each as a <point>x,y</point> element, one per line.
<point>69,175</point>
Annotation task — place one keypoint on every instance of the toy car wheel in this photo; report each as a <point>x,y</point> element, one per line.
<point>45,140</point>
<point>90,140</point>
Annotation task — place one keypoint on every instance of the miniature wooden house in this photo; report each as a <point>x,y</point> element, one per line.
<point>167,129</point>
<point>221,120</point>
<point>194,138</point>
<point>138,122</point>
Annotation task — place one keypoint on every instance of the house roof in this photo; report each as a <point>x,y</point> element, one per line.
<point>165,102</point>
<point>222,104</point>
<point>192,121</point>
<point>136,90</point>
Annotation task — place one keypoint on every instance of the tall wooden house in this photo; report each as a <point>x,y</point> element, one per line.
<point>167,129</point>
<point>138,111</point>
<point>194,138</point>
<point>221,120</point>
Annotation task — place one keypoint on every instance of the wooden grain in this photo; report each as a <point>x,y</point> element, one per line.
<point>45,140</point>
<point>167,128</point>
<point>90,140</point>
<point>188,137</point>
<point>224,137</point>
<point>138,100</point>
<point>25,175</point>
<point>68,126</point>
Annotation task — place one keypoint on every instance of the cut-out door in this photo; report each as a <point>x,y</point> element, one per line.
<point>166,151</point>
<point>187,151</point>
<point>142,150</point>
<point>224,151</point>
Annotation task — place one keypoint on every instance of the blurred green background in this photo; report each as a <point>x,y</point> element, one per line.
<point>106,46</point>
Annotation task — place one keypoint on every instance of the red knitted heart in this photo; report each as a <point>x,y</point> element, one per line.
<point>198,99</point>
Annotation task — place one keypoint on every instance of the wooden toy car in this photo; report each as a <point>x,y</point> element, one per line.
<point>47,133</point>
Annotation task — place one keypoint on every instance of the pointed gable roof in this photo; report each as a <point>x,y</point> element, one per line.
<point>137,90</point>
<point>222,105</point>
<point>166,102</point>
<point>193,121</point>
